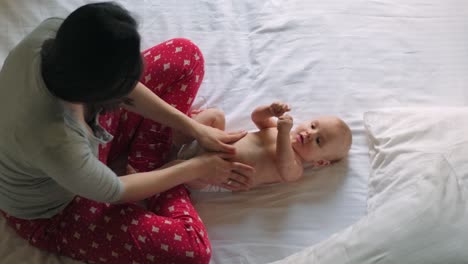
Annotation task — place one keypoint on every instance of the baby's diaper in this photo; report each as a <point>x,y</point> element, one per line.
<point>189,150</point>
<point>210,188</point>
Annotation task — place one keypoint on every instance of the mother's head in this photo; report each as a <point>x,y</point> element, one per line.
<point>95,56</point>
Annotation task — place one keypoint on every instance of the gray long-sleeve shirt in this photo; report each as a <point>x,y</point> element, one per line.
<point>46,156</point>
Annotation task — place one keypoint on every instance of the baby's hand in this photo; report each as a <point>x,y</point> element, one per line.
<point>285,123</point>
<point>278,109</point>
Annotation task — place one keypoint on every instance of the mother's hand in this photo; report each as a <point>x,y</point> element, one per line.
<point>214,139</point>
<point>218,170</point>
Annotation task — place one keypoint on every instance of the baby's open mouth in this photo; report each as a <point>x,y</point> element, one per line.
<point>300,138</point>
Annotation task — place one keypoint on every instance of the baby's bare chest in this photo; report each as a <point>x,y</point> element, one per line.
<point>258,149</point>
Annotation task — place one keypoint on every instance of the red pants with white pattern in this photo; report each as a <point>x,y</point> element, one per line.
<point>169,230</point>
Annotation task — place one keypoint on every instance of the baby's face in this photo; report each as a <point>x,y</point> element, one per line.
<point>325,138</point>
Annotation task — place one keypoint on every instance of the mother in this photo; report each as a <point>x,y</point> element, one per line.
<point>61,89</point>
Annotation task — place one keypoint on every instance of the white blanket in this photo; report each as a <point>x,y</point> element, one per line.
<point>322,57</point>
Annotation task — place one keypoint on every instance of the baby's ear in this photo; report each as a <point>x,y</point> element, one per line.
<point>320,163</point>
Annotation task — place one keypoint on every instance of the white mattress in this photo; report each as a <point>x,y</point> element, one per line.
<point>322,57</point>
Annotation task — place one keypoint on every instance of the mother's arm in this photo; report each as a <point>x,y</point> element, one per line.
<point>149,105</point>
<point>211,168</point>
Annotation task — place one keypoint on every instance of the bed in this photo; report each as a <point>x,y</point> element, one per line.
<point>334,57</point>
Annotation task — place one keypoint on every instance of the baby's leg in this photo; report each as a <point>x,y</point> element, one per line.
<point>212,117</point>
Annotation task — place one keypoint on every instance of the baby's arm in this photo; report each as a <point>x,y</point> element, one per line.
<point>288,164</point>
<point>262,115</point>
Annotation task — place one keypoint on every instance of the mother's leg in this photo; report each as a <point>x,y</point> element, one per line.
<point>174,71</point>
<point>96,232</point>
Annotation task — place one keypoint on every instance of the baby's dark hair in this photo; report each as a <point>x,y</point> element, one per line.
<point>95,56</point>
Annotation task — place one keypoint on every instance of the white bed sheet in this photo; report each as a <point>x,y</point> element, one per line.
<point>322,57</point>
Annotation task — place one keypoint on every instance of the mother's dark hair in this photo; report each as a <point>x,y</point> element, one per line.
<point>95,56</point>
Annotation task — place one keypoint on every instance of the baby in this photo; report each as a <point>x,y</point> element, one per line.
<point>277,153</point>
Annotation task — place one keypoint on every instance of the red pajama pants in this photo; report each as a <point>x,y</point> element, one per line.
<point>169,230</point>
